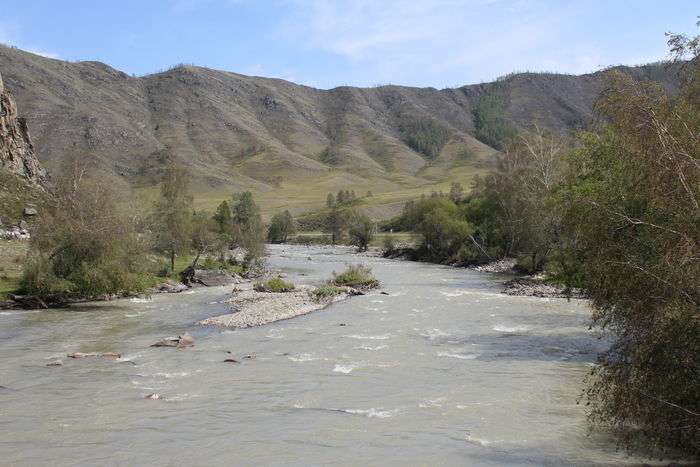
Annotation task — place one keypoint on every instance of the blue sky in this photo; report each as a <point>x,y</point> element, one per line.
<point>326,43</point>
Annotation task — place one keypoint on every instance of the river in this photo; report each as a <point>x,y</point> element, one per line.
<point>444,370</point>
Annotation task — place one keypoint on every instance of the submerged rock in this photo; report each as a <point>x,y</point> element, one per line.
<point>94,354</point>
<point>55,363</point>
<point>82,354</point>
<point>154,397</point>
<point>231,360</point>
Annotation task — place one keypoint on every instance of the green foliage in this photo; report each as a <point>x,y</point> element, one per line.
<point>173,213</point>
<point>331,156</point>
<point>248,228</point>
<point>281,227</point>
<point>274,285</point>
<point>357,275</point>
<point>223,219</point>
<point>491,126</point>
<point>423,134</point>
<point>361,230</point>
<point>325,292</point>
<point>632,220</point>
<point>336,223</point>
<point>85,244</point>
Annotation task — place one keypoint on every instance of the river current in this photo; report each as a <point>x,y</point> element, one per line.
<point>444,370</point>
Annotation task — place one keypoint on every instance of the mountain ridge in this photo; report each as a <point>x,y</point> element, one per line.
<point>269,135</point>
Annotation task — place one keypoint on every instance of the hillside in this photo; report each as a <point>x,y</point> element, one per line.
<point>290,144</point>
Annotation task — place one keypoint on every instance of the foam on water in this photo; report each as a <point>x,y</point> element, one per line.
<point>510,329</point>
<point>345,369</point>
<point>304,357</point>
<point>457,355</point>
<point>369,347</point>
<point>362,336</point>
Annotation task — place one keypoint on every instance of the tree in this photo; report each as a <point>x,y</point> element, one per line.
<point>281,226</point>
<point>633,219</point>
<point>223,218</point>
<point>204,239</point>
<point>330,200</point>
<point>362,230</point>
<point>173,213</point>
<point>336,223</point>
<point>522,220</point>
<point>248,228</point>
<point>85,243</point>
<point>203,235</point>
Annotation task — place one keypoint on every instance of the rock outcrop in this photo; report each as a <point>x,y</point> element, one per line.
<point>16,148</point>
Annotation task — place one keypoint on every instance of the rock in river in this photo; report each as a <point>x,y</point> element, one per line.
<point>182,341</point>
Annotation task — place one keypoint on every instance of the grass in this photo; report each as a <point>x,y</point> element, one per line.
<point>390,190</point>
<point>274,285</point>
<point>12,254</point>
<point>355,275</point>
<point>325,292</point>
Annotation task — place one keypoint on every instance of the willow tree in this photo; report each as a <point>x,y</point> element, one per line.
<point>173,213</point>
<point>633,214</point>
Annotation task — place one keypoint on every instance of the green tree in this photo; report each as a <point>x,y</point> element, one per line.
<point>248,228</point>
<point>633,220</point>
<point>336,223</point>
<point>330,200</point>
<point>173,213</point>
<point>362,230</point>
<point>223,218</point>
<point>281,226</point>
<point>85,243</point>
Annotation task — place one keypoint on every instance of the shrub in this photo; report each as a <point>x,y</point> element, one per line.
<point>362,231</point>
<point>357,275</point>
<point>281,226</point>
<point>274,285</point>
<point>325,292</point>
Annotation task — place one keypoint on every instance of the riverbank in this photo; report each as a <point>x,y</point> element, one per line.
<point>529,285</point>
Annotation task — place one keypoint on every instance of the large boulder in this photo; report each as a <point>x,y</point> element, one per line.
<point>206,277</point>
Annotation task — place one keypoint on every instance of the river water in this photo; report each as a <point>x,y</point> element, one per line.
<point>442,371</point>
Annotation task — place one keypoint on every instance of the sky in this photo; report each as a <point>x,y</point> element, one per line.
<point>328,43</point>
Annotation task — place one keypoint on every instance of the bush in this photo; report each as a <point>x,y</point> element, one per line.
<point>362,231</point>
<point>280,228</point>
<point>85,244</point>
<point>325,292</point>
<point>357,275</point>
<point>274,285</point>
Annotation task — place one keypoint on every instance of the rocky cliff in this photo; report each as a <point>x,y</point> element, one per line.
<point>16,148</point>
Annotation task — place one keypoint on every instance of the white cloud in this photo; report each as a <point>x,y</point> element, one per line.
<point>445,41</point>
